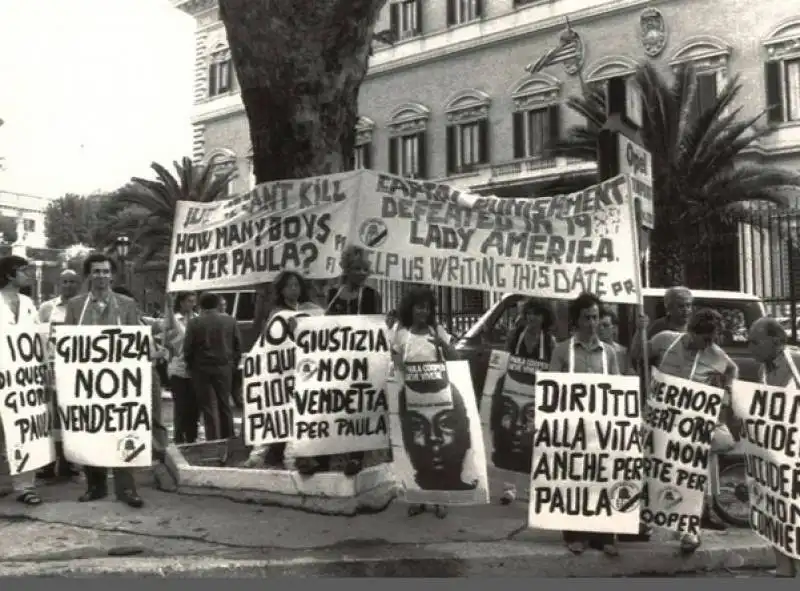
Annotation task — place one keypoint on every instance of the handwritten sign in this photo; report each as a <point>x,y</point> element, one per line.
<point>587,465</point>
<point>771,417</point>
<point>557,247</point>
<point>679,424</point>
<point>268,383</point>
<point>25,392</point>
<point>342,363</point>
<point>437,441</point>
<point>252,238</point>
<point>104,383</point>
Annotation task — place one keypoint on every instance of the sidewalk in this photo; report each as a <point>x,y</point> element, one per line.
<point>179,535</point>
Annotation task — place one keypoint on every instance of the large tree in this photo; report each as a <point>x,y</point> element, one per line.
<point>77,219</point>
<point>701,182</point>
<point>146,208</point>
<point>300,64</point>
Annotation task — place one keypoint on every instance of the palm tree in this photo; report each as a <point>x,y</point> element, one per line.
<point>700,183</point>
<point>147,207</point>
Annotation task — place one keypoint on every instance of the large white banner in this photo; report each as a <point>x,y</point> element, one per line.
<point>556,247</point>
<point>679,424</point>
<point>26,399</point>
<point>298,225</point>
<point>587,461</point>
<point>772,445</point>
<point>342,365</point>
<point>104,378</point>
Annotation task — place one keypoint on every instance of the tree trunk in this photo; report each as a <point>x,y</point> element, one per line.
<point>300,64</point>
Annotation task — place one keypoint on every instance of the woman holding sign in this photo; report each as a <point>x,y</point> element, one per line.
<point>420,340</point>
<point>351,298</point>
<point>530,345</point>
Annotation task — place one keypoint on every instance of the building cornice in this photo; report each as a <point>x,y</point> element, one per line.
<point>194,7</point>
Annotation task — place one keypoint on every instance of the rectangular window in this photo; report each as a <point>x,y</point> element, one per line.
<point>405,18</point>
<point>536,131</point>
<point>467,146</point>
<point>783,90</point>
<point>791,88</point>
<point>219,77</point>
<point>29,225</point>
<point>407,155</point>
<point>463,11</point>
<point>705,95</point>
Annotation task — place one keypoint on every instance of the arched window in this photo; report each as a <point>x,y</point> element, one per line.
<point>619,66</point>
<point>220,71</point>
<point>467,131</point>
<point>408,143</point>
<point>709,56</point>
<point>362,154</point>
<point>537,115</point>
<point>782,72</point>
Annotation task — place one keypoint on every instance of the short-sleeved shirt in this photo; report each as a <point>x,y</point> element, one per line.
<point>418,348</point>
<point>588,357</point>
<point>678,360</point>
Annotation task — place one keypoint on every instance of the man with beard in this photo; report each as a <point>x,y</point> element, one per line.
<point>695,356</point>
<point>584,352</point>
<point>102,307</point>
<point>767,344</point>
<point>52,313</point>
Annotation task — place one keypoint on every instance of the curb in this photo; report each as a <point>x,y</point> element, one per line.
<point>432,560</point>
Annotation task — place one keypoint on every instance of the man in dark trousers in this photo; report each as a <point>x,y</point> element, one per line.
<point>212,349</point>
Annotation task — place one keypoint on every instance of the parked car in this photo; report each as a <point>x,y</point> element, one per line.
<point>739,311</point>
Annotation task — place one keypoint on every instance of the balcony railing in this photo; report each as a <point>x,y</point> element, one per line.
<point>520,166</point>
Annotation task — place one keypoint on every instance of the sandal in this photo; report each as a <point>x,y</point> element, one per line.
<point>30,498</point>
<point>414,510</point>
<point>440,511</point>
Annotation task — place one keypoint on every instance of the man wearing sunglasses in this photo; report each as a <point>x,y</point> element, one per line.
<point>694,355</point>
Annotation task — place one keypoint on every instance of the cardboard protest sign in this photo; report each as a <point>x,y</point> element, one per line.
<point>587,462</point>
<point>268,373</point>
<point>437,441</point>
<point>556,247</point>
<point>26,395</point>
<point>771,416</point>
<point>679,423</point>
<point>342,364</point>
<point>285,225</point>
<point>104,381</point>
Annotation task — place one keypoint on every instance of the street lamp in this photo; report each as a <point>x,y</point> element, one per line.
<point>122,245</point>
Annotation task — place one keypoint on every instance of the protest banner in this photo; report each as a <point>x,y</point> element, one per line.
<point>268,373</point>
<point>296,225</point>
<point>26,410</point>
<point>104,382</point>
<point>771,417</point>
<point>342,364</point>
<point>587,463</point>
<point>679,422</point>
<point>556,247</point>
<point>437,441</point>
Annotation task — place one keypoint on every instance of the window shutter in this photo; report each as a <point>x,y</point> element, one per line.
<point>706,92</point>
<point>419,17</point>
<point>483,141</point>
<point>394,164</point>
<point>212,79</point>
<point>478,8</point>
<point>519,134</point>
<point>394,20</point>
<point>422,155</point>
<point>772,78</point>
<point>367,149</point>
<point>554,126</point>
<point>452,146</point>
<point>451,12</point>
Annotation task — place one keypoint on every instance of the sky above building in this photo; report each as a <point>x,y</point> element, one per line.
<point>92,92</point>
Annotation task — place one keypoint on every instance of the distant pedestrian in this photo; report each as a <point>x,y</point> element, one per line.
<point>608,331</point>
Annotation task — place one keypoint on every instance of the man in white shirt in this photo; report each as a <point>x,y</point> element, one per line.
<point>18,309</point>
<point>52,313</point>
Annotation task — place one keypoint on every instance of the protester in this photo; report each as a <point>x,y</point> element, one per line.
<point>608,331</point>
<point>767,344</point>
<point>291,294</point>
<point>102,307</point>
<point>419,338</point>
<point>184,399</point>
<point>584,352</point>
<point>352,297</point>
<point>212,350</point>
<point>52,313</point>
<point>695,356</point>
<point>18,309</point>
<point>678,304</point>
<point>531,339</point>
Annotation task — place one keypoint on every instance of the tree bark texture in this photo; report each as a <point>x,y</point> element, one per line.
<point>300,64</point>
